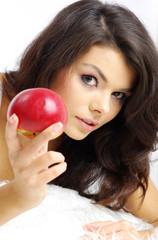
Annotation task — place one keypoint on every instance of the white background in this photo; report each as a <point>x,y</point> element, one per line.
<point>22,20</point>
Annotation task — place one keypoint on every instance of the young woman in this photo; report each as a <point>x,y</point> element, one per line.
<point>100,59</point>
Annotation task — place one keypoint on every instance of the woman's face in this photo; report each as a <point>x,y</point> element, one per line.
<point>94,89</point>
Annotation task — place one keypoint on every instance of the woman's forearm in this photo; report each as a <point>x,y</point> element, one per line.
<point>9,204</point>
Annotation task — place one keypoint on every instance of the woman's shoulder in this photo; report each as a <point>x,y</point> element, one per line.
<point>2,77</point>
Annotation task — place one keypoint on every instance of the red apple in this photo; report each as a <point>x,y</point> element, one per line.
<point>37,109</point>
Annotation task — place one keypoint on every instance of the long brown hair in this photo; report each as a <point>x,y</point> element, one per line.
<point>116,156</point>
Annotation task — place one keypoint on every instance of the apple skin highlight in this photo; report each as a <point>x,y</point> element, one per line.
<point>37,109</point>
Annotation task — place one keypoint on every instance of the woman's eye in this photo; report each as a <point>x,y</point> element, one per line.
<point>119,95</point>
<point>89,80</point>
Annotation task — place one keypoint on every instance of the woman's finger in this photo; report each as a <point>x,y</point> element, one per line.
<point>96,225</point>
<point>45,161</point>
<point>52,173</point>
<point>108,228</point>
<point>42,139</point>
<point>109,225</point>
<point>11,134</point>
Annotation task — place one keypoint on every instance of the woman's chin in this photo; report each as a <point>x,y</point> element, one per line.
<point>76,136</point>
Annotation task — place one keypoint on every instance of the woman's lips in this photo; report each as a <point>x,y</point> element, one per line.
<point>87,124</point>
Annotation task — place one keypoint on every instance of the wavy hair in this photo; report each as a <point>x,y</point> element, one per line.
<point>116,156</point>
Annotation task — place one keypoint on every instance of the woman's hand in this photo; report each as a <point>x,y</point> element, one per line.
<point>110,230</point>
<point>32,165</point>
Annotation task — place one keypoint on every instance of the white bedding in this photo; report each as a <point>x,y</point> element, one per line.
<point>61,217</point>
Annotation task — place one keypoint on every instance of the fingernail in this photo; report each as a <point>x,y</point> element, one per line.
<point>12,118</point>
<point>57,127</point>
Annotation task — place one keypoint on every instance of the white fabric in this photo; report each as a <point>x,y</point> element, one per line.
<point>61,216</point>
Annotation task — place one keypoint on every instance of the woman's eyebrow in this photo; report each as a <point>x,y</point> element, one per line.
<point>130,90</point>
<point>97,69</point>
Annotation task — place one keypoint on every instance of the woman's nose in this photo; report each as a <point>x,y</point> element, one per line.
<point>101,104</point>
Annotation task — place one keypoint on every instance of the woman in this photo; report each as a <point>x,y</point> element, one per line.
<point>100,59</point>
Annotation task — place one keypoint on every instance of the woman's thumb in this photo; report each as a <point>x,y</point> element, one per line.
<point>57,129</point>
